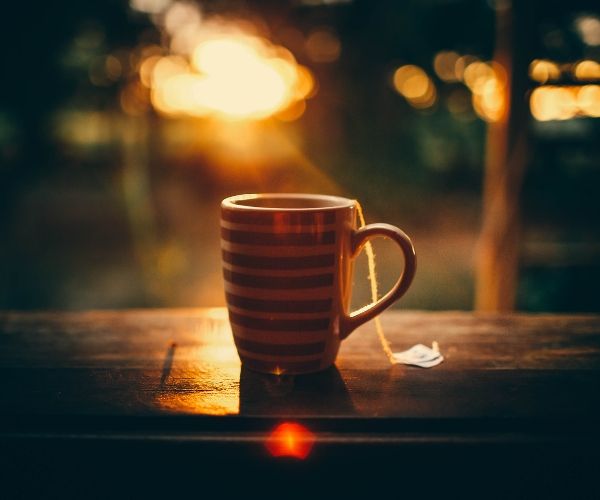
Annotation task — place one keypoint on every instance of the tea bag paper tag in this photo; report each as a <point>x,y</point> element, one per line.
<point>419,355</point>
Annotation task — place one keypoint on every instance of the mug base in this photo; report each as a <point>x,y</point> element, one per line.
<point>285,368</point>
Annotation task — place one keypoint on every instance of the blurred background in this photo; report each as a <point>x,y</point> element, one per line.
<point>471,124</point>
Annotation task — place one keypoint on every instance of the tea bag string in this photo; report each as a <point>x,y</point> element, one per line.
<point>385,344</point>
<point>418,355</point>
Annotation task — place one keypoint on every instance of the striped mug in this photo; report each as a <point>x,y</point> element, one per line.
<point>287,266</point>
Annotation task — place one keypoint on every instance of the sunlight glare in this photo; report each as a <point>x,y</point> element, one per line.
<point>232,76</point>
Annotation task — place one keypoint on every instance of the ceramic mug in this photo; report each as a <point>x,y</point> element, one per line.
<point>287,266</point>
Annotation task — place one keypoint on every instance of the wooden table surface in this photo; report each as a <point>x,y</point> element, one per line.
<point>166,362</point>
<point>160,375</point>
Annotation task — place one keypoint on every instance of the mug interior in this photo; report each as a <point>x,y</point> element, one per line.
<point>287,201</point>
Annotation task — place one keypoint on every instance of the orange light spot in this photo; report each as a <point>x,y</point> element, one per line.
<point>290,439</point>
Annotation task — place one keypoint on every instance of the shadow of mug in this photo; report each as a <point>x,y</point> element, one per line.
<point>317,394</point>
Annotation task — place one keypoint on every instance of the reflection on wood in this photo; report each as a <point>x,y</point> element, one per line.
<point>323,394</point>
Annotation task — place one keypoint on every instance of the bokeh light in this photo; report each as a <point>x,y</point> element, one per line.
<point>461,64</point>
<point>415,85</point>
<point>323,46</point>
<point>477,75</point>
<point>588,100</point>
<point>149,6</point>
<point>543,71</point>
<point>565,102</point>
<point>552,103</point>
<point>487,82</point>
<point>589,29</point>
<point>459,103</point>
<point>587,70</point>
<point>444,64</point>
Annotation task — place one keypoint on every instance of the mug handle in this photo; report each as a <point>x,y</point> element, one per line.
<point>359,239</point>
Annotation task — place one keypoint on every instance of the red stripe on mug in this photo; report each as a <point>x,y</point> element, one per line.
<point>258,262</point>
<point>292,306</point>
<point>278,239</point>
<point>280,349</point>
<point>272,219</point>
<point>278,282</point>
<point>274,337</point>
<point>291,325</point>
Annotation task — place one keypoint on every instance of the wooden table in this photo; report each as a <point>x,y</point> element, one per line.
<point>516,404</point>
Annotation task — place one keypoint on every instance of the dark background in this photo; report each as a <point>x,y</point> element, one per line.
<point>102,207</point>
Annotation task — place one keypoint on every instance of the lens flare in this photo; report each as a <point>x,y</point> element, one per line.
<point>290,439</point>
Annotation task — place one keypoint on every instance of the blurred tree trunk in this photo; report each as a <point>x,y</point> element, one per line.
<point>497,258</point>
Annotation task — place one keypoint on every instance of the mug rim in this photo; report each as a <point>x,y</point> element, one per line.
<point>338,202</point>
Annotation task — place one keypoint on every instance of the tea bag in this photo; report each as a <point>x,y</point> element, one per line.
<point>418,355</point>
